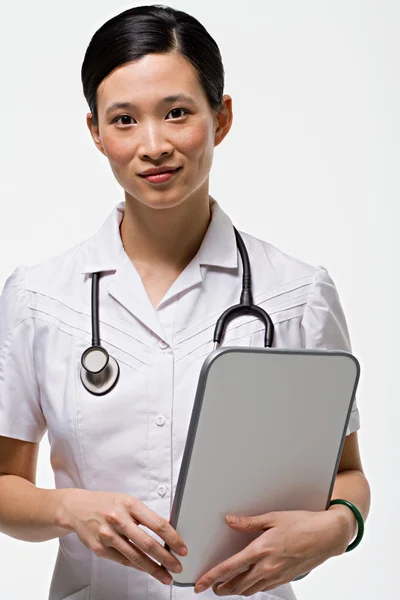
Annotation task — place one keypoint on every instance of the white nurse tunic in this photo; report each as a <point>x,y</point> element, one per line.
<point>132,439</point>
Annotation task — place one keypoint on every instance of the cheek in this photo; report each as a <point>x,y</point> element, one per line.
<point>193,141</point>
<point>119,155</point>
<point>117,150</point>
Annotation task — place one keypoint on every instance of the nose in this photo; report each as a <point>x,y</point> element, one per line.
<point>153,142</point>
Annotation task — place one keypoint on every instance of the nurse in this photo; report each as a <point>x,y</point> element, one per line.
<point>153,79</point>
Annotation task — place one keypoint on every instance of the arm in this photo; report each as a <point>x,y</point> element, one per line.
<point>350,484</point>
<point>324,326</point>
<point>26,512</point>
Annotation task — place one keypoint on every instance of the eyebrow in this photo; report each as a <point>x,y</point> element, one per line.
<point>167,99</point>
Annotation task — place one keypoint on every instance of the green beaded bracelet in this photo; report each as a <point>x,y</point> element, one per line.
<point>360,522</point>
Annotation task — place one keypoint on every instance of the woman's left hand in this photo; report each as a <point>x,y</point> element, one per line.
<point>293,543</point>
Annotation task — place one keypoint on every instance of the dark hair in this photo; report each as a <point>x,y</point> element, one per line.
<point>152,29</point>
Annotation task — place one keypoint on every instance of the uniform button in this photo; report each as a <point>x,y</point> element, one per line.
<point>162,490</point>
<point>163,345</point>
<point>161,420</point>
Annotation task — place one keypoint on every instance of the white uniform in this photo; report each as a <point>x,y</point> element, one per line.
<point>132,439</point>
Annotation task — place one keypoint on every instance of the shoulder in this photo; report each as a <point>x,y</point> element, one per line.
<point>14,307</point>
<point>56,272</point>
<point>289,287</point>
<point>55,278</point>
<point>274,269</point>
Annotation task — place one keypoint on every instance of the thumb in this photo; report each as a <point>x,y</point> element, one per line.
<point>250,523</point>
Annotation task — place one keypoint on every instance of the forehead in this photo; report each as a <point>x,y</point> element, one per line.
<point>152,77</point>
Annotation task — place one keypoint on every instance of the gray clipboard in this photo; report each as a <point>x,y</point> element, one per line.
<point>266,434</point>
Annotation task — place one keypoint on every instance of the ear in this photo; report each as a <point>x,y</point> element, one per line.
<point>223,120</point>
<point>94,132</point>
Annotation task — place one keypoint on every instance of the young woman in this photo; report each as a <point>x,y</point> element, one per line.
<point>168,264</point>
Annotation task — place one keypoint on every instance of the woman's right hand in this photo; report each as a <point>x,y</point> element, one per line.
<point>108,524</point>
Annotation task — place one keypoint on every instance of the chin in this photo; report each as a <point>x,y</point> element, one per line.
<point>164,196</point>
<point>158,199</point>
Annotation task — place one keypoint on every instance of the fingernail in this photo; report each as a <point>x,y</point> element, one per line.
<point>176,568</point>
<point>166,579</point>
<point>183,551</point>
<point>199,588</point>
<point>232,520</point>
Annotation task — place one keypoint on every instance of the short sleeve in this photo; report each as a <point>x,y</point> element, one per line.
<point>21,416</point>
<point>324,325</point>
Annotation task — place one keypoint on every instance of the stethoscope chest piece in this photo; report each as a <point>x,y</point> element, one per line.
<point>99,371</point>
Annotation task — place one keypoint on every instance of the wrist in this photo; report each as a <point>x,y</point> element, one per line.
<point>63,516</point>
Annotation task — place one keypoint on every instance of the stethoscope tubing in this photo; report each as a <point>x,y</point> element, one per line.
<point>95,310</point>
<point>100,372</point>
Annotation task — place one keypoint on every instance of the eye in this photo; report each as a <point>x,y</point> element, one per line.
<point>122,117</point>
<point>128,117</point>
<point>175,109</point>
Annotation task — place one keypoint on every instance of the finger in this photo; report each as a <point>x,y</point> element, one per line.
<point>239,583</point>
<point>233,566</point>
<point>159,525</point>
<point>228,569</point>
<point>128,528</point>
<point>253,523</point>
<point>129,555</point>
<point>152,547</point>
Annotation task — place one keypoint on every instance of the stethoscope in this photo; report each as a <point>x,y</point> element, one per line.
<point>100,371</point>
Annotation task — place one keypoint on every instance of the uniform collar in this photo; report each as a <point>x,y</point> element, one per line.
<point>105,251</point>
<point>218,248</point>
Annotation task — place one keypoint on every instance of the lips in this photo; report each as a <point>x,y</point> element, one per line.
<point>160,172</point>
<point>161,178</point>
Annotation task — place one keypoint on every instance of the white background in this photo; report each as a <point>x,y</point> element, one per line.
<point>311,164</point>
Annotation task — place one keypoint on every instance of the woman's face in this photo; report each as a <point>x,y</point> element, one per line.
<point>152,132</point>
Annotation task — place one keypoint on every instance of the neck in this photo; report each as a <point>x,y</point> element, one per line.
<point>164,238</point>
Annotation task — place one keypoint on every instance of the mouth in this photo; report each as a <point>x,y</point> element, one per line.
<point>161,177</point>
